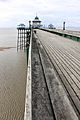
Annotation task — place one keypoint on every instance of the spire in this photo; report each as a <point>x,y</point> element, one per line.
<point>36,13</point>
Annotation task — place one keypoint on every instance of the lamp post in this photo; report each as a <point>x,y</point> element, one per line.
<point>30,24</point>
<point>63,25</point>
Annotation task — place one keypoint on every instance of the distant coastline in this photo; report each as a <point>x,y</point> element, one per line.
<point>67,28</point>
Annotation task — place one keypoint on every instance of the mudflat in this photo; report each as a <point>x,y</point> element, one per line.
<point>4,48</point>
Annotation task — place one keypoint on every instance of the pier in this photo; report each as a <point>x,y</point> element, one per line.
<point>23,38</point>
<point>53,77</point>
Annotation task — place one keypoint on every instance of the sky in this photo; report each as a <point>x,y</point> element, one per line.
<point>14,12</point>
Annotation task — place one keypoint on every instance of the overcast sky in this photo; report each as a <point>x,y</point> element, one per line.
<point>13,12</point>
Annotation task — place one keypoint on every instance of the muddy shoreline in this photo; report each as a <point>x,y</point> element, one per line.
<point>4,48</point>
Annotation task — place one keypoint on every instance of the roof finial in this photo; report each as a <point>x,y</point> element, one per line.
<point>36,13</point>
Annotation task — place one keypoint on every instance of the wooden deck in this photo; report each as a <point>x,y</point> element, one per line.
<point>65,57</point>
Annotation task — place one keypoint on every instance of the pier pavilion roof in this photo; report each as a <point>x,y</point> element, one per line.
<point>36,19</point>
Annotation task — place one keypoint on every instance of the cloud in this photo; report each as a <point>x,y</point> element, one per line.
<point>49,11</point>
<point>2,0</point>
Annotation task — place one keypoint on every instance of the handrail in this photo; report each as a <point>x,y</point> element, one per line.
<point>66,35</point>
<point>28,99</point>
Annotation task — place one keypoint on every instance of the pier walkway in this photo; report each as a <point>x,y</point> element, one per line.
<point>55,78</point>
<point>64,55</point>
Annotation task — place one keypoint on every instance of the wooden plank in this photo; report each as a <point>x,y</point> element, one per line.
<point>65,71</point>
<point>68,67</point>
<point>65,67</point>
<point>62,107</point>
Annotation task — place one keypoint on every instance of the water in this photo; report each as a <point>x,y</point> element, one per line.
<point>73,28</point>
<point>8,37</point>
<point>12,77</point>
<point>77,29</point>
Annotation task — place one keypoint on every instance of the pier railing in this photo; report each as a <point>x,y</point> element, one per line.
<point>24,42</point>
<point>63,34</point>
<point>28,99</point>
<point>23,39</point>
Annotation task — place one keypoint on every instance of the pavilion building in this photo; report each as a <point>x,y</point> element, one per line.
<point>36,23</point>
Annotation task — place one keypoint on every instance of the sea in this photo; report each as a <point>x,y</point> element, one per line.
<point>77,29</point>
<point>13,73</point>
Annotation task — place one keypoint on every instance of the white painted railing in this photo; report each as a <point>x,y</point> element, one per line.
<point>28,99</point>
